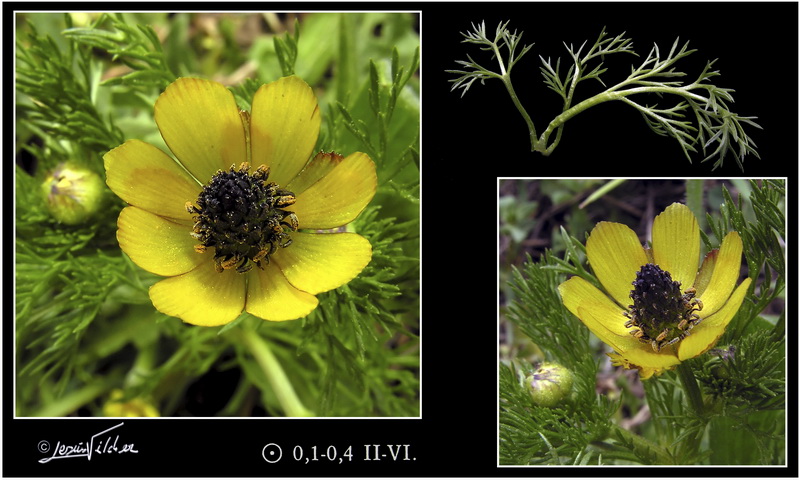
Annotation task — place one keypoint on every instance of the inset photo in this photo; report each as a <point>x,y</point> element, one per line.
<point>642,322</point>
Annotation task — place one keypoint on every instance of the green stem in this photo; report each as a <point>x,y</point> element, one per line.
<point>272,369</point>
<point>694,200</point>
<point>600,192</point>
<point>691,388</point>
<point>142,366</point>
<point>75,400</point>
<point>514,98</point>
<point>607,96</point>
<point>690,444</point>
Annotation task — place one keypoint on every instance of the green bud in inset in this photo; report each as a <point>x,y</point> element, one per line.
<point>72,194</point>
<point>723,357</point>
<point>549,384</point>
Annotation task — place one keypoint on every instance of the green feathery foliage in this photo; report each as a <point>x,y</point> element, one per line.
<point>763,240</point>
<point>534,434</point>
<point>715,128</point>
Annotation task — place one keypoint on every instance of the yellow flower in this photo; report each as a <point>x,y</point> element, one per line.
<point>676,313</point>
<point>135,407</point>
<point>242,220</point>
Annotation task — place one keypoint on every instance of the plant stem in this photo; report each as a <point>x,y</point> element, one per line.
<point>694,200</point>
<point>690,444</point>
<point>142,366</point>
<point>691,388</point>
<point>610,185</point>
<point>272,369</point>
<point>607,96</point>
<point>514,98</point>
<point>75,400</point>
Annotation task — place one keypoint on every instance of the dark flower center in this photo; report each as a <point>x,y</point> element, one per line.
<point>660,313</point>
<point>243,218</point>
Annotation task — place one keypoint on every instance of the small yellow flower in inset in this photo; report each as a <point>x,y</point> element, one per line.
<point>673,312</point>
<point>241,220</point>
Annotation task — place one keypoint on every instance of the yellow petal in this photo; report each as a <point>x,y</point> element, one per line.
<point>202,296</point>
<point>676,243</point>
<point>707,332</point>
<point>726,272</point>
<point>644,372</point>
<point>607,323</point>
<point>271,297</point>
<point>604,318</point>
<point>630,348</point>
<point>601,315</point>
<point>148,178</point>
<point>284,125</point>
<point>156,244</point>
<point>318,262</point>
<point>338,197</point>
<point>615,255</point>
<point>706,270</point>
<point>577,292</point>
<point>319,166</point>
<point>200,123</point>
<point>644,356</point>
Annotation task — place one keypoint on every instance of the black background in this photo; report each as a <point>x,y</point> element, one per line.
<point>756,48</point>
<point>466,144</point>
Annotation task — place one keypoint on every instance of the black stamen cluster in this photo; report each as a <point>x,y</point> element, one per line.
<point>657,298</point>
<point>242,217</point>
<point>661,315</point>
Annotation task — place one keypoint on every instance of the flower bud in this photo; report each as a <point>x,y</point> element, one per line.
<point>723,356</point>
<point>72,194</point>
<point>549,384</point>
